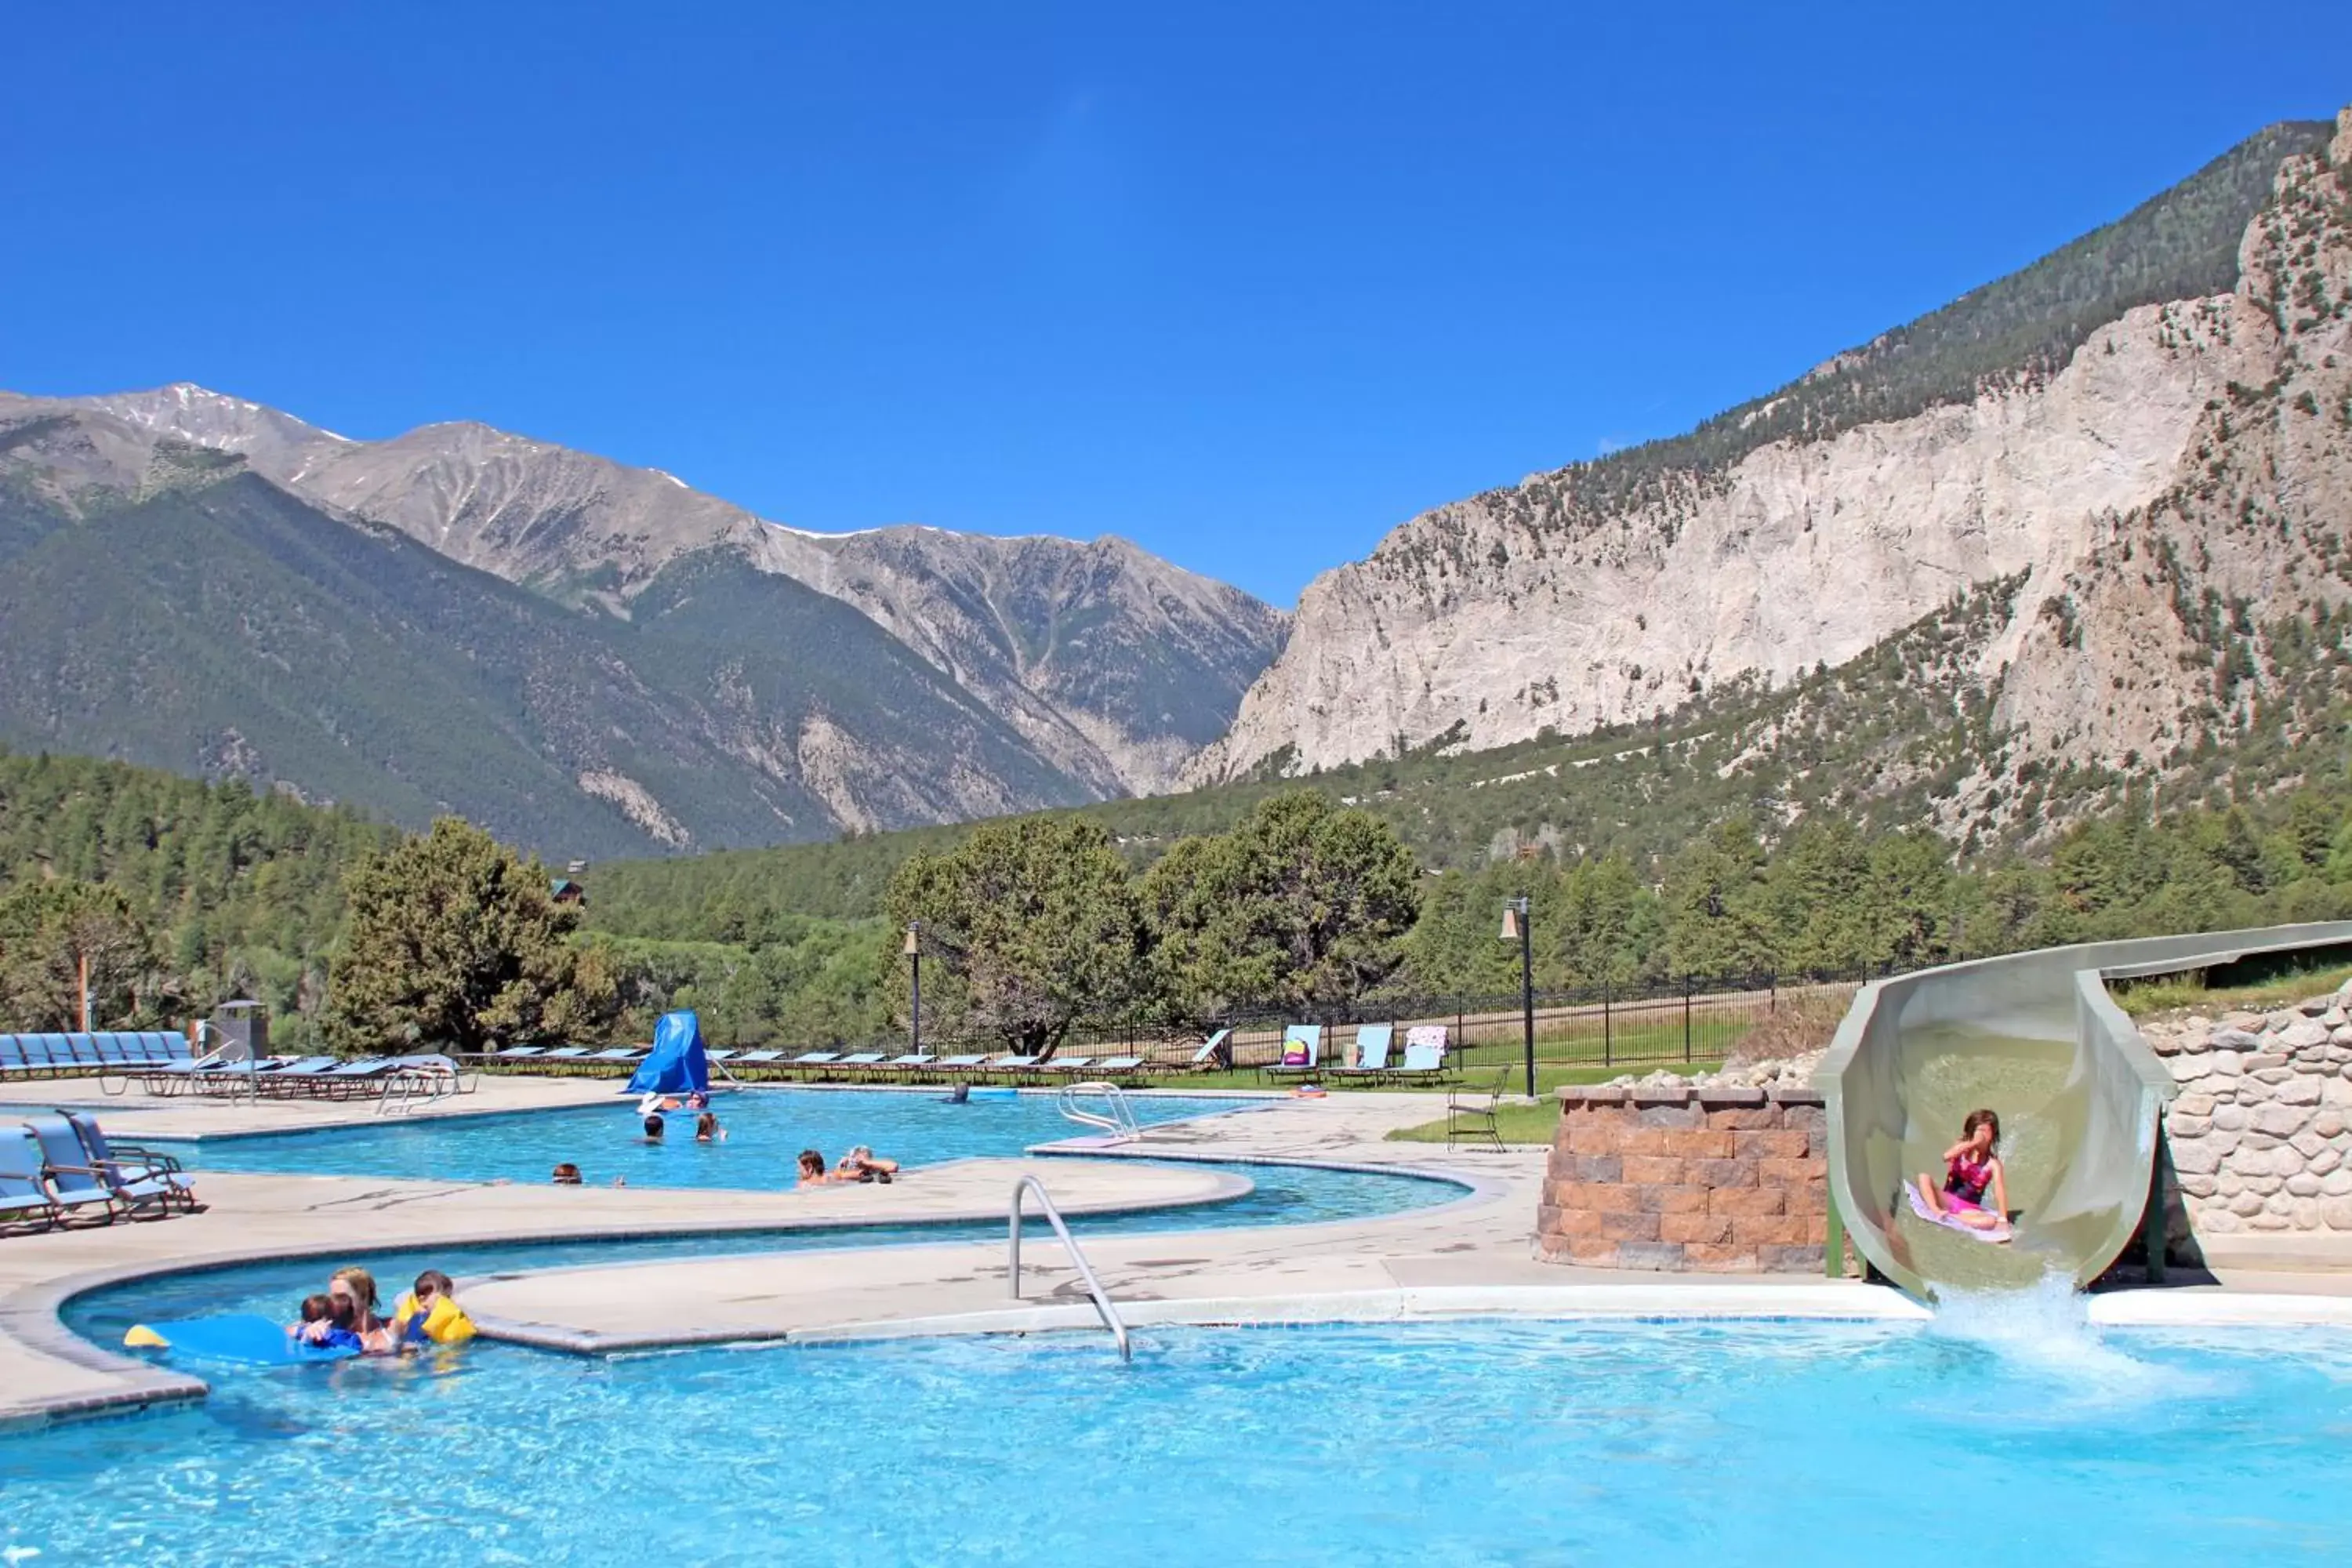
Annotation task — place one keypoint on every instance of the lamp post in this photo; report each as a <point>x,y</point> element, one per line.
<point>1515,923</point>
<point>914,951</point>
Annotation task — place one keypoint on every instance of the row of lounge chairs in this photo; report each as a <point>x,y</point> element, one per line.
<point>58,1169</point>
<point>908,1067</point>
<point>1368,1061</point>
<point>1424,1060</point>
<point>309,1078</point>
<point>105,1052</point>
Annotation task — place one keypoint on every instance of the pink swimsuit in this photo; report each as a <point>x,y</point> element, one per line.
<point>1965,1181</point>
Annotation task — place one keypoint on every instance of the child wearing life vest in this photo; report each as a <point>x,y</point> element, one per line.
<point>1971,1169</point>
<point>429,1313</point>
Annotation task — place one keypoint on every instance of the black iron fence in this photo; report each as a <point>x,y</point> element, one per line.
<point>1688,1020</point>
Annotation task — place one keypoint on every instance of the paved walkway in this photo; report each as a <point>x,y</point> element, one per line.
<point>45,1368</point>
<point>137,1114</point>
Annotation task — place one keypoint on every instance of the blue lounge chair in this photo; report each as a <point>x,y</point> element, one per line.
<point>913,1061</point>
<point>349,1080</point>
<point>1301,1044</point>
<point>758,1059</point>
<point>517,1053</point>
<point>75,1184</point>
<point>139,1177</point>
<point>565,1054</point>
<point>1424,1060</point>
<point>616,1054</point>
<point>1012,1064</point>
<point>12,1058</point>
<point>1371,1063</point>
<point>972,1064</point>
<point>865,1061</point>
<point>24,1195</point>
<point>1118,1066</point>
<point>1068,1064</point>
<point>1216,1053</point>
<point>296,1077</point>
<point>719,1055</point>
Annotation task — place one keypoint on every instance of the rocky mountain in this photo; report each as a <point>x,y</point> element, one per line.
<point>194,615</point>
<point>2143,440</point>
<point>1113,665</point>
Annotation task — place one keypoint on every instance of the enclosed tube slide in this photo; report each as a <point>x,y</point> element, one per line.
<point>2035,1037</point>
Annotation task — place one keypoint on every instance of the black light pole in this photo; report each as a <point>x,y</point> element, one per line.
<point>914,949</point>
<point>1517,923</point>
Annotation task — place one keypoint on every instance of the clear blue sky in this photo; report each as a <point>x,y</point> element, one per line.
<point>1248,284</point>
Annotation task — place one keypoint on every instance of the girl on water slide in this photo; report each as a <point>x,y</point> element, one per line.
<point>1970,1170</point>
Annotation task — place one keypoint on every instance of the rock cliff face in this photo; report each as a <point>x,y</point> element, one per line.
<point>2115,460</point>
<point>1114,665</point>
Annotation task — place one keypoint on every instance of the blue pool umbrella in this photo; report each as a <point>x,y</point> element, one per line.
<point>678,1064</point>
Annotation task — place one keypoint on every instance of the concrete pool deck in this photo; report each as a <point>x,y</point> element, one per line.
<point>1471,1255</point>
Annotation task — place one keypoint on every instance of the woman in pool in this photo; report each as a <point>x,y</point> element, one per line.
<point>707,1128</point>
<point>1970,1170</point>
<point>357,1287</point>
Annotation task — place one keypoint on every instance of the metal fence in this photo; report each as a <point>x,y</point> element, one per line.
<point>1688,1020</point>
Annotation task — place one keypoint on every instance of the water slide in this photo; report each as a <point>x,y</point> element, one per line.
<point>2035,1036</point>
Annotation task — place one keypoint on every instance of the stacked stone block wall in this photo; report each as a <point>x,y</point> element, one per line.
<point>2261,1134</point>
<point>1731,1180</point>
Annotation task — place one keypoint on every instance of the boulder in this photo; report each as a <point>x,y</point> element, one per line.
<point>2303,1034</point>
<point>2230,1117</point>
<point>2303,1185</point>
<point>2193,1105</point>
<point>2235,1041</point>
<point>2301,1089</point>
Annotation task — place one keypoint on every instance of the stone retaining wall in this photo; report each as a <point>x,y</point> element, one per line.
<point>1719,1179</point>
<point>2261,1135</point>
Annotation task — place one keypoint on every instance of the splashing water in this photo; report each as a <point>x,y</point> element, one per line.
<point>2044,1329</point>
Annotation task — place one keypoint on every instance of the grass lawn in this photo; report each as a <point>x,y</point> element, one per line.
<point>1533,1124</point>
<point>2189,992</point>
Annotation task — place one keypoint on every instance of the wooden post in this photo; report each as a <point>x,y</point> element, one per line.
<point>81,967</point>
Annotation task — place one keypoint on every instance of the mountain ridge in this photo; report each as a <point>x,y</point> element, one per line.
<point>586,530</point>
<point>1795,530</point>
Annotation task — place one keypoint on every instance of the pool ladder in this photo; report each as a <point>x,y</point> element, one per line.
<point>1105,1307</point>
<point>1117,1117</point>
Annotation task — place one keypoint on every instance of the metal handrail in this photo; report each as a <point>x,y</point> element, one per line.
<point>1119,1122</point>
<point>1104,1309</point>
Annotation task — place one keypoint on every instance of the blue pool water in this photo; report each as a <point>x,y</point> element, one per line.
<point>1279,1194</point>
<point>766,1130</point>
<point>1659,1445</point>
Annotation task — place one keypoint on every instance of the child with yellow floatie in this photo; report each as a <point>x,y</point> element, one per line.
<point>430,1314</point>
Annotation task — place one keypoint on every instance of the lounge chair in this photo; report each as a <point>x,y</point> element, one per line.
<point>863,1059</point>
<point>968,1064</point>
<point>715,1058</point>
<point>1012,1064</point>
<point>912,1062</point>
<point>616,1054</point>
<point>517,1053</point>
<point>1423,1062</point>
<point>349,1080</point>
<point>1067,1064</point>
<point>1215,1055</point>
<point>1371,1063</point>
<point>12,1058</point>
<point>1118,1066</point>
<point>139,1177</point>
<point>24,1195</point>
<point>75,1184</point>
<point>565,1054</point>
<point>296,1077</point>
<point>1301,1044</point>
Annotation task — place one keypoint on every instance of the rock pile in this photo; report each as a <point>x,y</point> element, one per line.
<point>2262,1132</point>
<point>1784,1072</point>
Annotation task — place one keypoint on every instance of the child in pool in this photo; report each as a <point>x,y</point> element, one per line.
<point>707,1128</point>
<point>329,1323</point>
<point>1971,1169</point>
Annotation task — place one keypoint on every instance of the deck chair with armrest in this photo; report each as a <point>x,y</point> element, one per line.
<point>1472,1111</point>
<point>25,1198</point>
<point>76,1185</point>
<point>139,1177</point>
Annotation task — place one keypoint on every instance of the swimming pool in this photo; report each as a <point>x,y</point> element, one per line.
<point>1428,1445</point>
<point>1279,1195</point>
<point>766,1128</point>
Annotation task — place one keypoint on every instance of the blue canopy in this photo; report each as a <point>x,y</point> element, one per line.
<point>677,1065</point>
